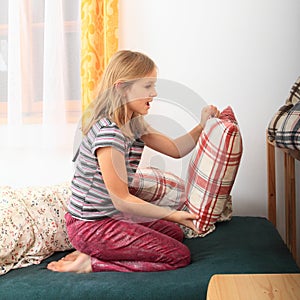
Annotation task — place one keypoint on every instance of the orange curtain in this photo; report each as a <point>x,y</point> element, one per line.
<point>99,40</point>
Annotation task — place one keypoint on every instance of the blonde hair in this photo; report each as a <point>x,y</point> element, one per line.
<point>125,67</point>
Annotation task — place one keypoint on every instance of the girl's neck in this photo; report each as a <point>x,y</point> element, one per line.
<point>129,115</point>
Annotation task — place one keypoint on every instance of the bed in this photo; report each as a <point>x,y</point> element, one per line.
<point>241,245</point>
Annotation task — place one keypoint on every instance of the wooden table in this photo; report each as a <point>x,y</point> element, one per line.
<point>254,287</point>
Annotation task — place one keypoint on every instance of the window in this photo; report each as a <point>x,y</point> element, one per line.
<point>32,59</point>
<point>3,59</point>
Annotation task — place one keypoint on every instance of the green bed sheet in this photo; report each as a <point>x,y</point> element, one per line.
<point>242,245</point>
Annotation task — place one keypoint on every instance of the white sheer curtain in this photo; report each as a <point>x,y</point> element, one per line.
<point>40,74</point>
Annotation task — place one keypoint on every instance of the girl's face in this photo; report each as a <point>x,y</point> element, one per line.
<point>140,94</point>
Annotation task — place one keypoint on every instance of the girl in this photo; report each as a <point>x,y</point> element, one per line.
<point>101,219</point>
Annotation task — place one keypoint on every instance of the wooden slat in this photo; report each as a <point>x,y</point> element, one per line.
<point>290,203</point>
<point>271,182</point>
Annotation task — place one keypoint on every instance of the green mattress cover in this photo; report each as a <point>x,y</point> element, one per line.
<point>243,245</point>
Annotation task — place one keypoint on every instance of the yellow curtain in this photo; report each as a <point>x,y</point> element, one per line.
<point>99,40</point>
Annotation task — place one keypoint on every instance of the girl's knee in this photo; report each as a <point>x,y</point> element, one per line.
<point>184,256</point>
<point>179,233</point>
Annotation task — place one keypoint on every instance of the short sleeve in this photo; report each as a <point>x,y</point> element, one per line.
<point>108,136</point>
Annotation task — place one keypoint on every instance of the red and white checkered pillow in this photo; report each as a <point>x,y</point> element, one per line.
<point>158,187</point>
<point>212,170</point>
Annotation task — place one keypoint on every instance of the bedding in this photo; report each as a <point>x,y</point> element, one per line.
<point>288,135</point>
<point>212,171</point>
<point>243,245</point>
<point>32,224</point>
<point>284,125</point>
<point>159,187</point>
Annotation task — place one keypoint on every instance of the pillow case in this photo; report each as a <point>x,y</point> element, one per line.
<point>32,224</point>
<point>158,187</point>
<point>277,122</point>
<point>212,172</point>
<point>288,135</point>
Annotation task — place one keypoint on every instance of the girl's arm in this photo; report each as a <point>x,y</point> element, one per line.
<point>114,174</point>
<point>182,145</point>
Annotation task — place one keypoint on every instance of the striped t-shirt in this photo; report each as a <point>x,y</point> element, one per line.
<point>90,199</point>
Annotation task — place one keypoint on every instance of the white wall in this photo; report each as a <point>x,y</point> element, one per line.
<point>239,53</point>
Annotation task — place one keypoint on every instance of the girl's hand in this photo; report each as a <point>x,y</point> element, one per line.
<point>184,218</point>
<point>208,112</point>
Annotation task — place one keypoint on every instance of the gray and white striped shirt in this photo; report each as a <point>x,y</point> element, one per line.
<point>90,199</point>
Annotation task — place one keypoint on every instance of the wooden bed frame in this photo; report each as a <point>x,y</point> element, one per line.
<point>289,194</point>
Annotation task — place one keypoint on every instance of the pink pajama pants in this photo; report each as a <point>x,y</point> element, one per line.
<point>119,245</point>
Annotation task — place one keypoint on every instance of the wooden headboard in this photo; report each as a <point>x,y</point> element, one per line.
<point>289,194</point>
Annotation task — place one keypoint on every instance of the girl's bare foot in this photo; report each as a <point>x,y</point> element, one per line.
<point>71,256</point>
<point>81,264</point>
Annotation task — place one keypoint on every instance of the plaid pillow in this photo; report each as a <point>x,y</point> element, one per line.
<point>278,119</point>
<point>212,170</point>
<point>158,187</point>
<point>288,135</point>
